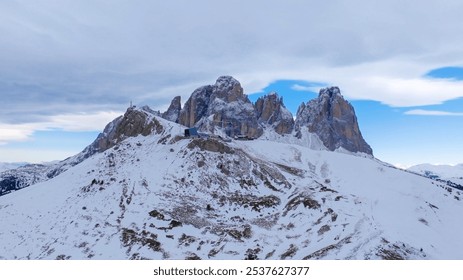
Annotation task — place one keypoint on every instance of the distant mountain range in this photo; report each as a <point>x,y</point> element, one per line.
<point>10,165</point>
<point>452,173</point>
<point>255,183</point>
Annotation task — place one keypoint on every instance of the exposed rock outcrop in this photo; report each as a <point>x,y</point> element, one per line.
<point>195,107</point>
<point>223,106</point>
<point>333,119</point>
<point>133,123</point>
<point>270,110</point>
<point>174,109</point>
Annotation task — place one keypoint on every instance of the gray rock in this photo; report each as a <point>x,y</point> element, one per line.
<point>133,123</point>
<point>271,111</point>
<point>221,106</point>
<point>196,106</point>
<point>174,109</point>
<point>333,119</point>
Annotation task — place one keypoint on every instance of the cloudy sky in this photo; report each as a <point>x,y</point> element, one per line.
<point>68,67</point>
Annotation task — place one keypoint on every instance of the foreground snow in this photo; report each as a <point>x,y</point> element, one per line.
<point>165,197</point>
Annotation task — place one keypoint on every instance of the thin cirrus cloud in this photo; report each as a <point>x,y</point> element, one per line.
<point>310,88</point>
<point>299,87</point>
<point>420,112</point>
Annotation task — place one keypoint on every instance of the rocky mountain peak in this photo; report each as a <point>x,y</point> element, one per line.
<point>133,123</point>
<point>224,107</point>
<point>271,110</point>
<point>221,106</point>
<point>331,92</point>
<point>333,119</point>
<point>196,106</point>
<point>174,109</point>
<point>228,88</point>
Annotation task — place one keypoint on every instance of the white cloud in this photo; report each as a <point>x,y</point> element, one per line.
<point>9,133</point>
<point>95,51</point>
<point>68,122</point>
<point>299,87</point>
<point>81,122</point>
<point>397,91</point>
<point>58,58</point>
<point>420,112</point>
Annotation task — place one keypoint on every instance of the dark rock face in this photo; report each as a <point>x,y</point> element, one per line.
<point>103,140</point>
<point>210,145</point>
<point>196,106</point>
<point>271,110</point>
<point>173,111</point>
<point>222,106</point>
<point>228,89</point>
<point>133,123</point>
<point>333,119</point>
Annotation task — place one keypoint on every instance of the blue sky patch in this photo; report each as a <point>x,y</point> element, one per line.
<point>294,92</point>
<point>452,72</point>
<point>56,139</point>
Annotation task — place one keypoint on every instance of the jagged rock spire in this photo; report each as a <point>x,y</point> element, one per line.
<point>174,109</point>
<point>333,119</point>
<point>223,106</point>
<point>271,110</point>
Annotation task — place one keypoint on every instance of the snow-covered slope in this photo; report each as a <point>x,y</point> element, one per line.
<point>29,174</point>
<point>453,173</point>
<point>166,197</point>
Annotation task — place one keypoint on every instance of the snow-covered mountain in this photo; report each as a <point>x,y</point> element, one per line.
<point>10,165</point>
<point>30,174</point>
<point>221,109</point>
<point>452,173</point>
<point>144,191</point>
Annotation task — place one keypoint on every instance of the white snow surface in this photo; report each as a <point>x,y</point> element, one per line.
<point>307,139</point>
<point>166,197</point>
